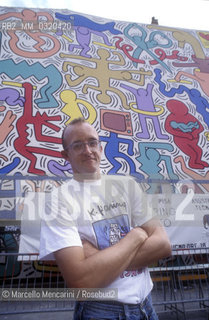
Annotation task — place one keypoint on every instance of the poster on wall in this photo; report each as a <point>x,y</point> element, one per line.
<point>145,88</point>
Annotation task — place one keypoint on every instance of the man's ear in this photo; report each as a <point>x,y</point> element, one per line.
<point>65,155</point>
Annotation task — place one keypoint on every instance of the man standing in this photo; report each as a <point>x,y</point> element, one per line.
<point>99,234</point>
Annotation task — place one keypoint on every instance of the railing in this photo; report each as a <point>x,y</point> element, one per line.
<point>181,284</point>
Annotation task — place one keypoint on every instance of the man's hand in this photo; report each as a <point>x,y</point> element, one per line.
<point>142,234</point>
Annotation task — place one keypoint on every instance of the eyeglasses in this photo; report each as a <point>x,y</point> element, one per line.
<point>78,147</point>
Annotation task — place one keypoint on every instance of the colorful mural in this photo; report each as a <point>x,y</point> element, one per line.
<point>143,87</point>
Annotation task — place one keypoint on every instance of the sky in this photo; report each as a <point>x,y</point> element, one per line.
<point>188,14</point>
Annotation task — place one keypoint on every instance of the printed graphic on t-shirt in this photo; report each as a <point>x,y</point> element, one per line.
<point>105,209</point>
<point>131,273</point>
<point>110,231</point>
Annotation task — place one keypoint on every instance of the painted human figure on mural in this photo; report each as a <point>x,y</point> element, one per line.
<point>185,129</point>
<point>83,37</point>
<point>84,29</point>
<point>146,111</point>
<point>48,77</point>
<point>30,21</point>
<point>21,143</point>
<point>194,175</point>
<point>201,74</point>
<point>103,75</point>
<point>12,97</point>
<point>145,44</point>
<point>77,20</point>
<point>59,169</point>
<point>150,159</point>
<point>8,168</point>
<point>113,153</point>
<point>195,96</point>
<point>73,107</point>
<point>6,127</point>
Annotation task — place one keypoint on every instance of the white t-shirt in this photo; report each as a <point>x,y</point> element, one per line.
<point>102,212</point>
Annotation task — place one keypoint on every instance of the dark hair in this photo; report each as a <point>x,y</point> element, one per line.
<point>73,122</point>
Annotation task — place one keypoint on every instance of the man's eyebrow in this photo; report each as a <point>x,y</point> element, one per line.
<point>92,138</point>
<point>76,141</point>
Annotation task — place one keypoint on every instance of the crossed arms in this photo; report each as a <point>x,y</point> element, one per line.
<point>88,267</point>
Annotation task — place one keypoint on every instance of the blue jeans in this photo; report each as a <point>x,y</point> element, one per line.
<point>102,310</point>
